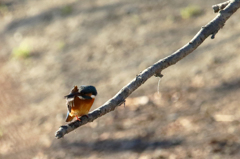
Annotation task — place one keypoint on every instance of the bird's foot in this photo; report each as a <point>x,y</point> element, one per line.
<point>78,118</point>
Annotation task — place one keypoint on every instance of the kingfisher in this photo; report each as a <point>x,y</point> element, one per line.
<point>79,102</point>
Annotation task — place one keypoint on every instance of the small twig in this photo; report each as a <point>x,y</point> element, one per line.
<point>210,29</point>
<point>221,6</point>
<point>213,34</point>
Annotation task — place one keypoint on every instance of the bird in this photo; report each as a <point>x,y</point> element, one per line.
<point>79,102</point>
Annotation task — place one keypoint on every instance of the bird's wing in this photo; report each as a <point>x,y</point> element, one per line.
<point>71,95</point>
<point>70,103</point>
<point>70,99</point>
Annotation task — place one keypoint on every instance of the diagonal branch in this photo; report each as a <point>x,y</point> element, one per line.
<point>210,29</point>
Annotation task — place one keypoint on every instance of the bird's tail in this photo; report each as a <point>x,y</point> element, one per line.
<point>69,118</point>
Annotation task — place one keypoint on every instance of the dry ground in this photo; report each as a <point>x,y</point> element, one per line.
<point>106,43</point>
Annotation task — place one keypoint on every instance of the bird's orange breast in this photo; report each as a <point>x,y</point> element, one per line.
<point>81,107</point>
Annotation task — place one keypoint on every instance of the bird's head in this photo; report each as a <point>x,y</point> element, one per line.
<point>88,90</point>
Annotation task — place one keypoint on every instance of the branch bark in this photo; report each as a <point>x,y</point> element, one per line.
<point>209,29</point>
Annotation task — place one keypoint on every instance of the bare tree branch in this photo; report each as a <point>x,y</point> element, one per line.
<point>221,6</point>
<point>210,29</point>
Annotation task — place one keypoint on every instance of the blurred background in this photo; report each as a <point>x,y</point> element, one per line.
<point>47,47</point>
